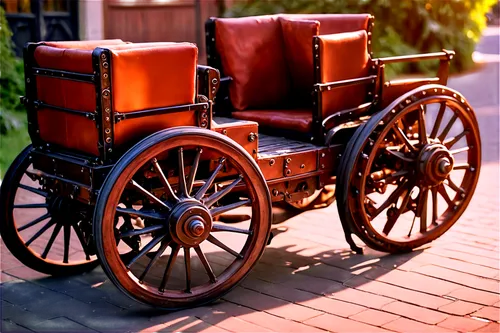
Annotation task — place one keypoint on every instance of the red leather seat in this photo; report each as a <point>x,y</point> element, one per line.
<point>299,120</point>
<point>270,61</point>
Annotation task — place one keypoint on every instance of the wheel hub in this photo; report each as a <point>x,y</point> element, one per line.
<point>189,223</point>
<point>435,162</point>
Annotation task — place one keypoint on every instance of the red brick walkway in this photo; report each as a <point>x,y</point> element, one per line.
<point>307,280</point>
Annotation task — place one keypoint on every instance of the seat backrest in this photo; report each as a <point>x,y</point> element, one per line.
<point>270,57</point>
<point>143,76</point>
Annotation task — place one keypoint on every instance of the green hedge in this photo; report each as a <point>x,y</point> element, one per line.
<point>402,26</point>
<point>11,79</point>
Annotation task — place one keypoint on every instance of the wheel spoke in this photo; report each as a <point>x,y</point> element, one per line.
<point>439,118</point>
<point>194,169</point>
<point>182,175</point>
<point>40,232</point>
<point>187,265</point>
<point>38,205</point>
<point>33,190</point>
<point>422,212</point>
<point>168,189</point>
<point>223,227</point>
<point>448,127</point>
<point>422,128</point>
<point>454,186</point>
<point>461,166</point>
<point>391,221</point>
<point>223,209</point>
<point>451,141</point>
<point>201,192</point>
<point>170,266</point>
<point>399,155</point>
<point>403,138</point>
<point>139,213</point>
<point>55,232</point>
<point>434,205</point>
<point>220,194</point>
<point>441,190</point>
<point>67,236</point>
<point>138,232</point>
<point>148,194</point>
<point>394,176</point>
<point>157,255</point>
<point>459,150</point>
<point>35,221</point>
<point>206,264</point>
<point>81,238</point>
<point>148,247</point>
<point>223,246</point>
<point>392,198</point>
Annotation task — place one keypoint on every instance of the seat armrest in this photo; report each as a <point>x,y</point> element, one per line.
<point>208,81</point>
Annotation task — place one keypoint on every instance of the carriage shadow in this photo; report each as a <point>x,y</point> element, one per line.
<point>289,271</point>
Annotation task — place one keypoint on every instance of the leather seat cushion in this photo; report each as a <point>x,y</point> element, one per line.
<point>335,23</point>
<point>344,56</point>
<point>297,37</point>
<point>251,51</point>
<point>84,45</point>
<point>299,120</point>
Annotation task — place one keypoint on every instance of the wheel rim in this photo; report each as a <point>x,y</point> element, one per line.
<point>182,222</point>
<point>436,162</point>
<point>46,225</point>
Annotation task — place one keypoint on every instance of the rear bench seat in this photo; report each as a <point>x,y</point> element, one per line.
<point>270,61</point>
<point>143,76</point>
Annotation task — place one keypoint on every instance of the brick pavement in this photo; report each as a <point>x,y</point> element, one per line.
<point>308,280</point>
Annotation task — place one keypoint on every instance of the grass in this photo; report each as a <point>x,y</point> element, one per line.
<point>12,143</point>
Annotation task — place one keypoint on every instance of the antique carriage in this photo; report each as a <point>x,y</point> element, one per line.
<point>137,152</point>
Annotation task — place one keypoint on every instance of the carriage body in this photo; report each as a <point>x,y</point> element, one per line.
<point>293,107</point>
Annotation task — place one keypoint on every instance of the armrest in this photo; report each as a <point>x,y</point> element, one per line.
<point>208,81</point>
<point>390,90</point>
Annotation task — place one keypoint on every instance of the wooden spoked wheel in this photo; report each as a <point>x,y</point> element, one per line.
<point>412,171</point>
<point>319,199</point>
<point>174,184</point>
<point>46,232</point>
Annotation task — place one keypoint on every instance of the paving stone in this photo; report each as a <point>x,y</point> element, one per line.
<point>8,326</point>
<point>362,298</point>
<point>59,324</point>
<point>22,292</point>
<point>462,324</point>
<point>488,312</point>
<point>335,324</point>
<point>233,324</point>
<point>398,293</point>
<point>491,327</point>
<point>374,317</point>
<point>408,325</point>
<point>415,312</point>
<point>461,278</point>
<point>460,308</point>
<point>333,306</point>
<point>475,296</point>
<point>7,278</point>
<point>277,290</point>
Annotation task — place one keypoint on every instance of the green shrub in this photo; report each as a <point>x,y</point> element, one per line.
<point>11,70</point>
<point>402,26</point>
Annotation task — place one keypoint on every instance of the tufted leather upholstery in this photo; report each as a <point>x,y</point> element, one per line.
<point>143,76</point>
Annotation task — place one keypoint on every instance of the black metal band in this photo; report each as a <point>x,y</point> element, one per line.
<point>158,111</point>
<point>41,105</point>
<point>344,83</point>
<point>89,78</point>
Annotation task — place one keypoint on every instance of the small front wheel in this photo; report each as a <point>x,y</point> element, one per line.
<point>412,170</point>
<point>161,202</point>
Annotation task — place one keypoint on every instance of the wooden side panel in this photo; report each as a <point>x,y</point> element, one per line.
<point>159,21</point>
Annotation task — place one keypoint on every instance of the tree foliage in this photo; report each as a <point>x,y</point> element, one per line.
<point>402,26</point>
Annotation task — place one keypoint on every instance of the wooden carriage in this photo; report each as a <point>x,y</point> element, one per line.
<point>136,149</point>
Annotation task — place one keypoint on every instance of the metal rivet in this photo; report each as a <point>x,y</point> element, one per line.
<point>110,150</point>
<point>224,132</point>
<point>28,80</point>
<point>108,140</point>
<point>288,160</point>
<point>107,131</point>
<point>103,56</point>
<point>272,161</point>
<point>105,65</point>
<point>105,75</point>
<point>322,166</point>
<point>107,110</point>
<point>302,166</point>
<point>275,192</point>
<point>288,171</point>
<point>214,81</point>
<point>323,155</point>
